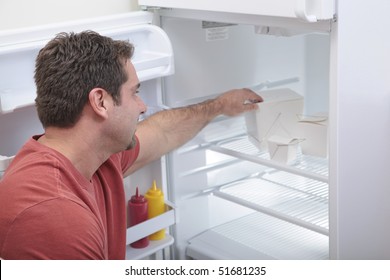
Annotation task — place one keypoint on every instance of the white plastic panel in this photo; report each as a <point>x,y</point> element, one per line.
<point>360,132</point>
<point>307,10</point>
<point>153,55</point>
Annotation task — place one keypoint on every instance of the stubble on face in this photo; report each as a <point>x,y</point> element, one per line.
<point>133,143</point>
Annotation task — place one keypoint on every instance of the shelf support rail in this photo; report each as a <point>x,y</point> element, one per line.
<point>269,163</point>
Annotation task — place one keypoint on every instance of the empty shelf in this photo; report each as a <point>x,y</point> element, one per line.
<point>259,236</point>
<point>286,196</point>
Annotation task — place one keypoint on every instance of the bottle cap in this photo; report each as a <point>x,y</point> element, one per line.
<point>137,198</point>
<point>154,190</point>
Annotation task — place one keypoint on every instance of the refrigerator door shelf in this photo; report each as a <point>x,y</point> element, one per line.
<point>152,248</point>
<point>153,56</point>
<point>148,227</point>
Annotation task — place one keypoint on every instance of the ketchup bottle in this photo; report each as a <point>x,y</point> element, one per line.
<point>138,212</point>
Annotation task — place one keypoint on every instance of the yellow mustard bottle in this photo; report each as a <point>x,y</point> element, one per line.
<point>156,206</point>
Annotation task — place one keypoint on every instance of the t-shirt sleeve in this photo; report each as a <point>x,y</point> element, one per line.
<point>56,229</point>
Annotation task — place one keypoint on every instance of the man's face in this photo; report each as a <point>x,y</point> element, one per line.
<point>125,116</point>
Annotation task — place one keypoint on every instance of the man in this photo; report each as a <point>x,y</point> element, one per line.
<point>62,197</point>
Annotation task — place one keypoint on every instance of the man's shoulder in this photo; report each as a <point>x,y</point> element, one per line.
<point>55,229</point>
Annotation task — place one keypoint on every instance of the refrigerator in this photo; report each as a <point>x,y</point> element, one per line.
<point>227,196</point>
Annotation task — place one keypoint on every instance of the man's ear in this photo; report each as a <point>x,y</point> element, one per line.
<point>99,100</point>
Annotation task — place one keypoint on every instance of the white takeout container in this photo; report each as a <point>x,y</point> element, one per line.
<point>276,115</point>
<point>314,131</point>
<point>283,149</point>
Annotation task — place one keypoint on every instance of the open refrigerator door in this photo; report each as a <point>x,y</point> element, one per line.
<point>153,59</point>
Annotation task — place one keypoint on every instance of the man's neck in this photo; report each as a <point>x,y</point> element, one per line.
<point>79,148</point>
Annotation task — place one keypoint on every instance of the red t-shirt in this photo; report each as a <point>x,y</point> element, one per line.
<point>48,210</point>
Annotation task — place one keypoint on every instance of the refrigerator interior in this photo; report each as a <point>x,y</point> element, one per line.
<point>232,201</point>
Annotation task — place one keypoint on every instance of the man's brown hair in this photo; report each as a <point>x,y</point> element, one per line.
<point>70,66</point>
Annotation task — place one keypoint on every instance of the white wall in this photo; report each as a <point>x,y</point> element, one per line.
<point>25,13</point>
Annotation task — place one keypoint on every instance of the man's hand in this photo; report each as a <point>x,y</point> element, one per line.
<point>237,101</point>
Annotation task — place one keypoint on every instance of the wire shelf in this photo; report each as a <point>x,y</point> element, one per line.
<point>305,165</point>
<point>292,198</point>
